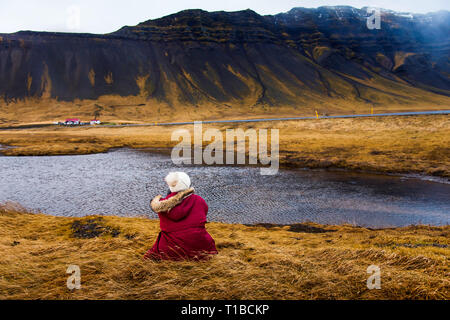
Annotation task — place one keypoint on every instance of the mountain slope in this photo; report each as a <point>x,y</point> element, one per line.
<point>221,63</point>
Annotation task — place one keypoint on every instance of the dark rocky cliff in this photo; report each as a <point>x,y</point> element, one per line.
<point>195,57</point>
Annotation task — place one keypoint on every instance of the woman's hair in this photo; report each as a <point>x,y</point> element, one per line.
<point>178,181</point>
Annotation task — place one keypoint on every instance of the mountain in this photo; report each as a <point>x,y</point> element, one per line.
<point>212,64</point>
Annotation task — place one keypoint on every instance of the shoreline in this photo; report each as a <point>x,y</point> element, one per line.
<point>254,262</point>
<point>266,225</point>
<point>390,145</point>
<point>283,165</point>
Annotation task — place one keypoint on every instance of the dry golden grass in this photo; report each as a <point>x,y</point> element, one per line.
<point>387,96</point>
<point>418,144</point>
<point>254,262</point>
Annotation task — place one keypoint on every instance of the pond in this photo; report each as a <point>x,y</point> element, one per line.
<point>122,182</point>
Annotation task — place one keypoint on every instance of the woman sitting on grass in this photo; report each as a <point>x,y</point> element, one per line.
<point>182,216</point>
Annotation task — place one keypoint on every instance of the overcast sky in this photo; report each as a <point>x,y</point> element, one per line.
<point>103,16</point>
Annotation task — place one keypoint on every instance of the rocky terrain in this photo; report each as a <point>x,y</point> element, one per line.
<point>229,59</point>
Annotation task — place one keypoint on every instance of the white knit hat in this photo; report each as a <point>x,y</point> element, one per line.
<point>178,181</point>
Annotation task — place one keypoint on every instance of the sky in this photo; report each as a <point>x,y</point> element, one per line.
<point>104,16</point>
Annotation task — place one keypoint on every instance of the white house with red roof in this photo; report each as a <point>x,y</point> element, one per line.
<point>72,121</point>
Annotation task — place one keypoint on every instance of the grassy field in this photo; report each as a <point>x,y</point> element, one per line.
<point>413,144</point>
<point>388,96</point>
<point>304,261</point>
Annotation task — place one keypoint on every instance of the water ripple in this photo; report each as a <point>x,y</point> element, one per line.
<point>122,182</point>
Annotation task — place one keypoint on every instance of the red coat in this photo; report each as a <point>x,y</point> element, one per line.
<point>183,234</point>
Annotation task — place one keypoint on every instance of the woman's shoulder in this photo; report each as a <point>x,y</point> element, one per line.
<point>186,198</point>
<point>198,199</point>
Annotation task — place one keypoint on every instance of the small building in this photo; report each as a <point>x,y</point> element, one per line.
<point>72,121</point>
<point>95,122</point>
